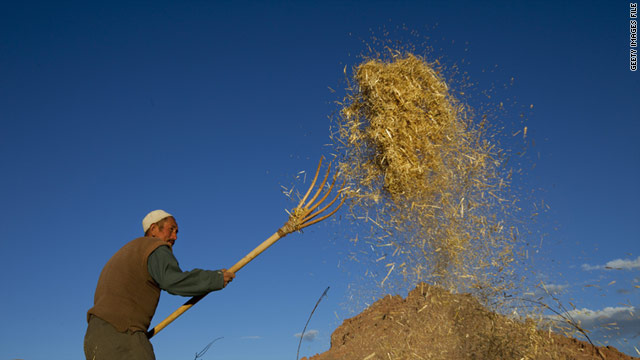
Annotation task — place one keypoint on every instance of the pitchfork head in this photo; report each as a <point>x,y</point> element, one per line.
<point>307,212</point>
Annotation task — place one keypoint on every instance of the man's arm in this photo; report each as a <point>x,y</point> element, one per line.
<point>164,269</point>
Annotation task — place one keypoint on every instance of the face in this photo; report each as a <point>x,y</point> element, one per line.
<point>168,232</point>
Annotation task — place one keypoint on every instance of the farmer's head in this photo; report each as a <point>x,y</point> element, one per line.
<point>161,225</point>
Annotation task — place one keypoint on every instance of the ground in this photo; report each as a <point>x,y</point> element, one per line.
<point>431,323</point>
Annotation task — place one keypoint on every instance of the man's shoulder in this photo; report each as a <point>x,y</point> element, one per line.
<point>144,241</point>
<point>146,238</point>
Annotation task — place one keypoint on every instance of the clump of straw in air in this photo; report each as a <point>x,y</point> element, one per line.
<point>423,172</point>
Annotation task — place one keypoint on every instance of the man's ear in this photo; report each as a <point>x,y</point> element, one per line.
<point>152,229</point>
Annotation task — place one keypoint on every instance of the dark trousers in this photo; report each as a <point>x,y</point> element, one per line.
<point>103,342</point>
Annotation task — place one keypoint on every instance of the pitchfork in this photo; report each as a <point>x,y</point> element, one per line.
<point>303,215</point>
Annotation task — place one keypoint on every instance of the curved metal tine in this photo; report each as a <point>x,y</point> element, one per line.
<point>324,208</point>
<point>324,181</point>
<point>333,182</point>
<point>302,226</point>
<point>312,184</point>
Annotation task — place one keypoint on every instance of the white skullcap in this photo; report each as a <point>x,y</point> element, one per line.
<point>152,218</point>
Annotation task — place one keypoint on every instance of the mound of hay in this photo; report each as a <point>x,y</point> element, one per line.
<point>431,323</point>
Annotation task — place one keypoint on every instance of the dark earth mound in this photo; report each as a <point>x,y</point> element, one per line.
<point>432,323</point>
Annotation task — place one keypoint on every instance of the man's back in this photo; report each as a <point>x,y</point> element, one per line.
<point>126,295</point>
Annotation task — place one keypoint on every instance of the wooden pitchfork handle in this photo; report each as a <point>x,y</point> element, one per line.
<point>302,216</point>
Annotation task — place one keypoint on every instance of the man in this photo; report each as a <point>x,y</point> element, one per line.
<point>129,287</point>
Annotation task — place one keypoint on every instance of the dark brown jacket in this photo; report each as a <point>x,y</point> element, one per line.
<point>126,295</point>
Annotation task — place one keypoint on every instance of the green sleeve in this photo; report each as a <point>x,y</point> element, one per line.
<point>164,269</point>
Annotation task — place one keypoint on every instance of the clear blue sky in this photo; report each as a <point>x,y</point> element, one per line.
<point>109,110</point>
